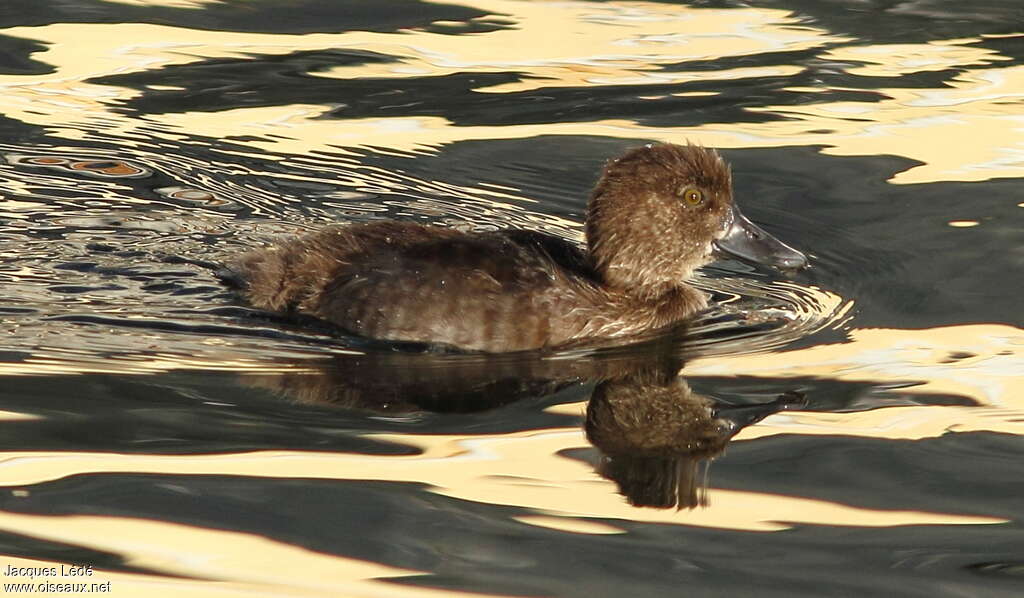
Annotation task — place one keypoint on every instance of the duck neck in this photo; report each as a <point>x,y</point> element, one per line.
<point>668,303</point>
<point>631,311</point>
<point>644,274</point>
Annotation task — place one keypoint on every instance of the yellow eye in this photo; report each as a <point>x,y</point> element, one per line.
<point>693,196</point>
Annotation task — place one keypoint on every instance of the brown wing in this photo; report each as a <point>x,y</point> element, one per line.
<point>492,292</point>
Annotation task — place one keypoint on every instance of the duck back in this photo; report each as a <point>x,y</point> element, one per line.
<point>496,291</point>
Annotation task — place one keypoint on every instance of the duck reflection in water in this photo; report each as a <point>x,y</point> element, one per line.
<point>652,430</point>
<point>658,437</point>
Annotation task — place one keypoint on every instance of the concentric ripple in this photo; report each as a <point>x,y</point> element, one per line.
<point>752,315</point>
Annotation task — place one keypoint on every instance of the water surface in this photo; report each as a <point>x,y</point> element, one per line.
<point>181,443</point>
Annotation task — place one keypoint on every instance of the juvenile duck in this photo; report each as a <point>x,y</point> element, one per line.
<point>657,213</point>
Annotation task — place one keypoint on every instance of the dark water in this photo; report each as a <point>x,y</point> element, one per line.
<point>852,430</point>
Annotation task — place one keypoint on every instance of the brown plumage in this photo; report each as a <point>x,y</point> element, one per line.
<point>514,290</point>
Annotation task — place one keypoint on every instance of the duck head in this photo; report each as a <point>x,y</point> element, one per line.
<point>662,210</point>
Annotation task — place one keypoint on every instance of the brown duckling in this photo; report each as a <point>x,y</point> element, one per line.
<point>657,213</point>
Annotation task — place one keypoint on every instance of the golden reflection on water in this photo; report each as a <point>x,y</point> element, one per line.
<point>979,361</point>
<point>565,44</point>
<point>887,60</point>
<point>980,112</point>
<point>520,469</point>
<point>236,562</point>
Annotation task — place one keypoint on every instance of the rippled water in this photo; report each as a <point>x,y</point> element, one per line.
<point>853,429</point>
